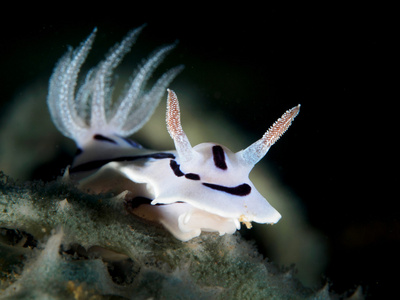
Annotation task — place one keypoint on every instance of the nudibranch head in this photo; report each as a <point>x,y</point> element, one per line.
<point>208,183</point>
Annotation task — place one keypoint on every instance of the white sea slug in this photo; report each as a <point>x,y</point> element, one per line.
<point>187,190</point>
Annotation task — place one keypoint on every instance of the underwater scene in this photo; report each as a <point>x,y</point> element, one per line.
<point>118,204</point>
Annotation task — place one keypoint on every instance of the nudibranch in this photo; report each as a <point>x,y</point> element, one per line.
<point>187,190</point>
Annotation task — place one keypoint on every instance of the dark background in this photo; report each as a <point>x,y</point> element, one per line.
<point>334,60</point>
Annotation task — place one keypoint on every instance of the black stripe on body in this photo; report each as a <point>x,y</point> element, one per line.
<point>132,143</point>
<point>103,138</point>
<point>131,204</point>
<point>219,157</point>
<point>175,167</point>
<point>78,151</point>
<point>240,190</point>
<point>177,171</point>
<point>192,176</point>
<point>95,164</point>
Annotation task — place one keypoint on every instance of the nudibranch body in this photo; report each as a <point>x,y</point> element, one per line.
<point>187,190</point>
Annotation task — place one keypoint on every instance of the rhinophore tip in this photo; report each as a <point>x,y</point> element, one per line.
<point>256,151</point>
<point>174,127</point>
